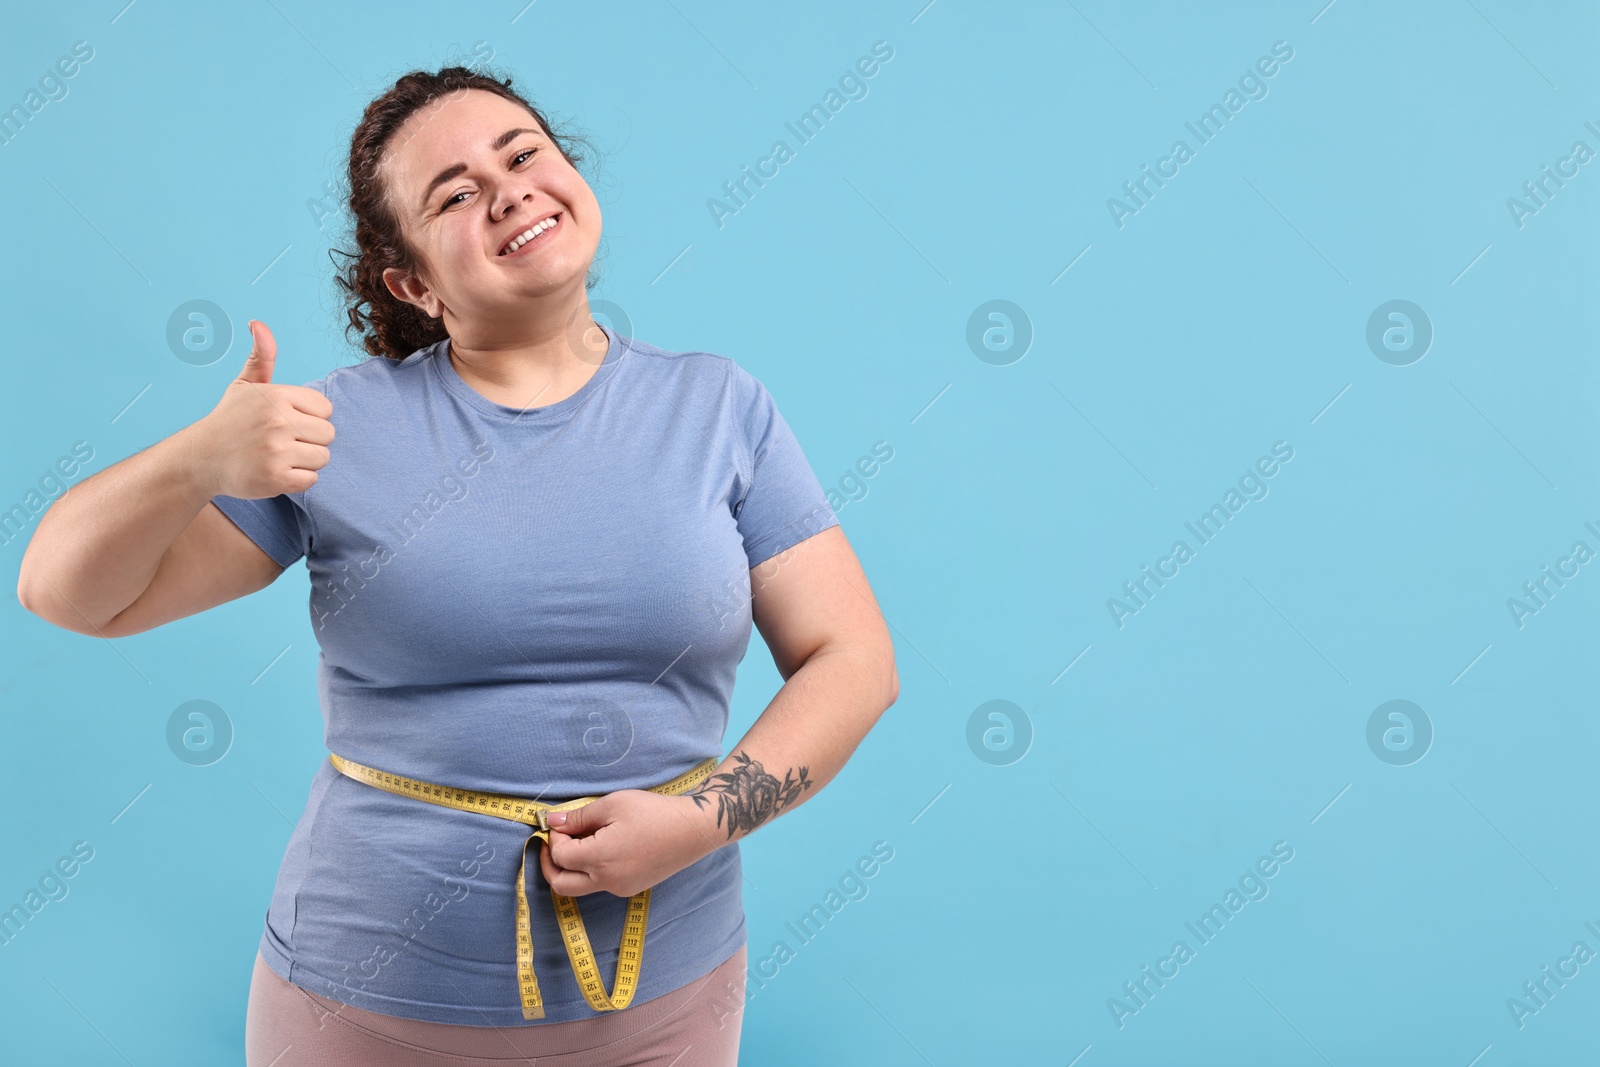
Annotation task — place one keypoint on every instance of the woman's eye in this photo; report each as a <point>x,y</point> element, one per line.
<point>520,155</point>
<point>451,201</point>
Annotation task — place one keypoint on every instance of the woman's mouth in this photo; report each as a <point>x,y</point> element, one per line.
<point>534,237</point>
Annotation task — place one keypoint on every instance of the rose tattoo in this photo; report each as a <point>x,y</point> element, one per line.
<point>750,796</point>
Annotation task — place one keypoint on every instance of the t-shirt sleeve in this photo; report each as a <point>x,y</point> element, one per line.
<point>280,525</point>
<point>778,501</point>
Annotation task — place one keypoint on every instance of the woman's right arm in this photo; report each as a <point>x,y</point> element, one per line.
<point>140,544</point>
<point>99,548</point>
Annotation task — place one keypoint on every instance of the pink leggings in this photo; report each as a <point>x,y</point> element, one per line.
<point>696,1025</point>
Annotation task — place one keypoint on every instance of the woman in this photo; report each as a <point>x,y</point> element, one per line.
<point>536,551</point>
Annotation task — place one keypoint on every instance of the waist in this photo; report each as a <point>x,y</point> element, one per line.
<point>508,764</point>
<point>534,813</point>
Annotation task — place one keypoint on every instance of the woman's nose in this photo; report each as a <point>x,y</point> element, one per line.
<point>506,200</point>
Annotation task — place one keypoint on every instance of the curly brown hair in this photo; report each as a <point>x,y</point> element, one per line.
<point>389,326</point>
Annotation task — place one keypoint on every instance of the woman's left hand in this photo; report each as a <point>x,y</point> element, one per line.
<point>625,842</point>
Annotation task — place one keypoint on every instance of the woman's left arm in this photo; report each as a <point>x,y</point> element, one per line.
<point>830,643</point>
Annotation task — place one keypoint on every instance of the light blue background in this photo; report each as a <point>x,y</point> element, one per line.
<point>1228,314</point>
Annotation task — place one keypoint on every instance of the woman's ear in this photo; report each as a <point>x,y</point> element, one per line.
<point>412,289</point>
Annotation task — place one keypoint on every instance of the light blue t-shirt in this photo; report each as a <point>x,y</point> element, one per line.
<point>549,602</point>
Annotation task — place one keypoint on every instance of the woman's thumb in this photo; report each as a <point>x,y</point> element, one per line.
<point>263,353</point>
<point>575,821</point>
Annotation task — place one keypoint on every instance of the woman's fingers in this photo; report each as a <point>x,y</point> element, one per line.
<point>569,882</point>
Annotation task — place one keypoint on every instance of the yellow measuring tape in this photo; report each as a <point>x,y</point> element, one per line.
<point>532,812</point>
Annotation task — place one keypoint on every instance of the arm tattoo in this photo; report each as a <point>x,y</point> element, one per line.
<point>750,796</point>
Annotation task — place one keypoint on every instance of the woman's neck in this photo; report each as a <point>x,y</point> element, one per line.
<point>533,371</point>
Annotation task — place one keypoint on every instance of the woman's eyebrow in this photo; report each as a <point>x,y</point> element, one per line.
<point>458,168</point>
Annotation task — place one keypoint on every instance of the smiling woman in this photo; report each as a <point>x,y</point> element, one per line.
<point>590,567</point>
<point>433,255</point>
<point>563,635</point>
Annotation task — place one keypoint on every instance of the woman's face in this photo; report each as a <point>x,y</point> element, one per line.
<point>464,176</point>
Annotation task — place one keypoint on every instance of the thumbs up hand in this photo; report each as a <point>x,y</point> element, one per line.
<point>263,439</point>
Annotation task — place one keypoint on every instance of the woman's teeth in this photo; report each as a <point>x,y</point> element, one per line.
<point>528,235</point>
